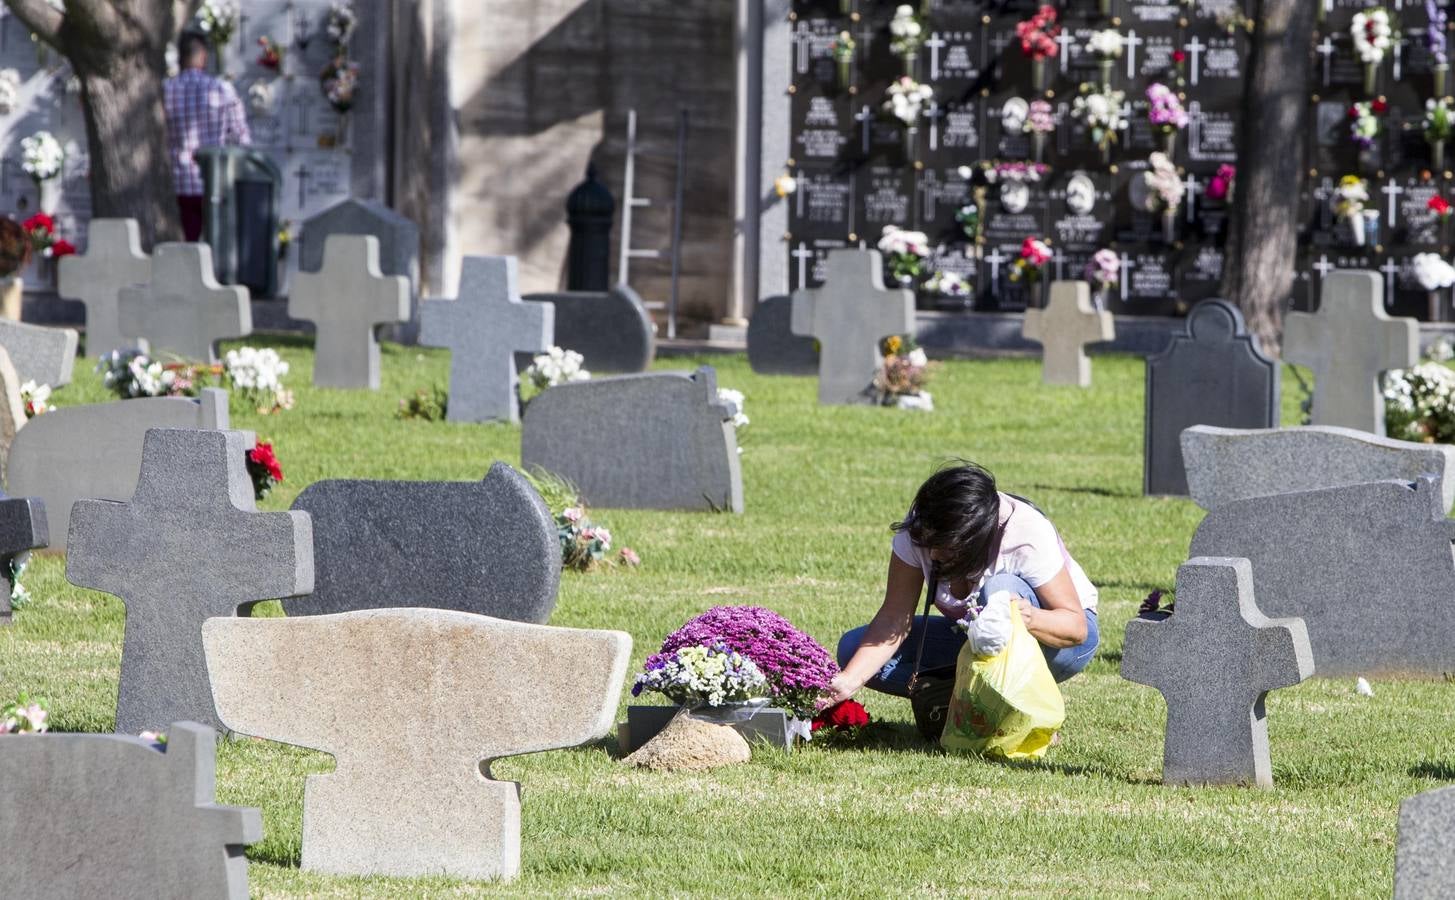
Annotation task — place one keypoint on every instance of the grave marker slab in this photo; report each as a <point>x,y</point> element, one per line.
<point>40,354</point>
<point>415,704</point>
<point>773,348</point>
<point>611,330</point>
<point>1368,568</point>
<point>113,260</point>
<point>183,311</point>
<point>1227,464</point>
<point>595,434</point>
<point>398,237</point>
<point>95,452</point>
<point>1424,856</point>
<point>346,301</point>
<point>849,316</point>
<point>1348,343</point>
<point>483,330</point>
<point>188,545</point>
<point>1215,660</point>
<point>110,815</point>
<point>1213,373</point>
<point>12,408</point>
<point>22,529</point>
<point>1064,328</point>
<point>489,547</point>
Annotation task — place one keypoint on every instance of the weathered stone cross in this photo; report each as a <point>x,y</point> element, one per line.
<point>183,310</point>
<point>347,300</point>
<point>1064,328</point>
<point>113,260</point>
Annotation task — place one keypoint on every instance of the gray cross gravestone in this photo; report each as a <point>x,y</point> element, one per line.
<point>1227,464</point>
<point>1213,373</point>
<point>398,237</point>
<point>773,348</point>
<point>414,704</point>
<point>95,452</point>
<point>483,330</point>
<point>188,545</point>
<point>849,315</point>
<point>1424,856</point>
<point>183,311</point>
<point>113,260</point>
<point>110,815</point>
<point>1368,567</point>
<point>40,354</point>
<point>612,330</point>
<point>1348,343</point>
<point>1064,328</point>
<point>683,455</point>
<point>347,300</point>
<point>22,529</point>
<point>1215,660</point>
<point>489,547</point>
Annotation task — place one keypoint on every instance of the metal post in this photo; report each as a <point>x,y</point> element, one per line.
<point>677,222</point>
<point>623,264</point>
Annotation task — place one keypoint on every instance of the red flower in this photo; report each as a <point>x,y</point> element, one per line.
<point>1353,112</point>
<point>845,715</point>
<point>1179,57</point>
<point>39,222</point>
<point>1379,106</point>
<point>1439,206</point>
<point>62,247</point>
<point>262,455</point>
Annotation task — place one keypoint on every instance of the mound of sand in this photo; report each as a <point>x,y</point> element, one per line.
<point>691,745</point>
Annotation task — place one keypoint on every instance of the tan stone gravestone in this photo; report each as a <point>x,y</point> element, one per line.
<point>1064,328</point>
<point>113,260</point>
<point>414,704</point>
<point>849,316</point>
<point>347,300</point>
<point>39,353</point>
<point>1348,343</point>
<point>12,408</point>
<point>183,311</point>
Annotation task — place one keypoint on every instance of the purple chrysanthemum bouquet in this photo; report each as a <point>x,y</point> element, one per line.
<point>797,667</point>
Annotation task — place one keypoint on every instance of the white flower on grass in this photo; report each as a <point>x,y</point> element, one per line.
<point>734,399</point>
<point>1433,272</point>
<point>1440,350</point>
<point>917,357</point>
<point>251,369</point>
<point>921,401</point>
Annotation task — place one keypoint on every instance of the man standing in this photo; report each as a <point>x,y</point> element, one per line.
<point>202,111</point>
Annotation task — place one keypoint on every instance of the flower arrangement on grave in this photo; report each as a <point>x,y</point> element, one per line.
<point>1038,41</point>
<point>41,156</point>
<point>1440,207</point>
<point>36,398</point>
<point>948,284</point>
<point>1165,191</point>
<point>696,676</point>
<point>1438,20</point>
<point>1030,265</point>
<point>1364,122</point>
<point>1220,186</point>
<point>271,56</point>
<point>585,545</point>
<point>905,251</point>
<point>1437,128</point>
<point>338,80</point>
<point>10,83</point>
<point>1434,275</point>
<point>158,739</point>
<point>904,371</point>
<point>968,218</point>
<point>24,715</point>
<point>341,23</point>
<point>785,185</point>
<point>1014,171</point>
<point>844,48</point>
<point>1179,65</point>
<point>906,34</point>
<point>1104,271</point>
<point>1100,109</point>
<point>1373,36</point>
<point>905,100</point>
<point>796,668</point>
<point>430,404</point>
<point>844,719</point>
<point>1040,122</point>
<point>1419,404</point>
<point>264,469</point>
<point>41,229</point>
<point>735,399</point>
<point>1350,199</point>
<point>546,370</point>
<point>19,596</point>
<point>1166,114</point>
<point>131,373</point>
<point>217,20</point>
<point>257,375</point>
<point>1152,607</point>
<point>1440,350</point>
<point>1106,45</point>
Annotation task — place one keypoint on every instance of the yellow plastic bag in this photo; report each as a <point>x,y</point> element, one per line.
<point>1007,705</point>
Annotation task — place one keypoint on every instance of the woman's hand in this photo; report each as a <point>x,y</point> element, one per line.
<point>840,689</point>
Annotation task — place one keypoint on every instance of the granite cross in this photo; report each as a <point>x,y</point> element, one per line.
<point>1064,328</point>
<point>189,545</point>
<point>22,529</point>
<point>347,300</point>
<point>483,330</point>
<point>1214,660</point>
<point>183,310</point>
<point>113,260</point>
<point>1348,343</point>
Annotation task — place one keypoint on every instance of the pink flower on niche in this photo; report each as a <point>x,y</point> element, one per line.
<point>571,514</point>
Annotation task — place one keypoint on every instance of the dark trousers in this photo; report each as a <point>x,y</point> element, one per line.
<point>190,206</point>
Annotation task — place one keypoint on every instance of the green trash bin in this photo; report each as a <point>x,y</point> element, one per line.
<point>243,193</point>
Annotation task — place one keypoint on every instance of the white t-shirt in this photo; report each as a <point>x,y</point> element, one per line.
<point>1031,549</point>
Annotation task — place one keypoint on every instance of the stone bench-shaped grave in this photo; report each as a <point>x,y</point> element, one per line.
<point>40,354</point>
<point>1227,464</point>
<point>1215,660</point>
<point>188,546</point>
<point>1368,567</point>
<point>483,330</point>
<point>1213,373</point>
<point>1424,856</point>
<point>1063,329</point>
<point>489,547</point>
<point>414,704</point>
<point>347,301</point>
<point>1349,343</point>
<point>611,330</point>
<point>850,315</point>
<point>77,452</point>
<point>773,348</point>
<point>22,528</point>
<point>183,311</point>
<point>662,440</point>
<point>113,260</point>
<point>109,815</point>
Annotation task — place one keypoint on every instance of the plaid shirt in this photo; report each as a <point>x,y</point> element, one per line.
<point>202,111</point>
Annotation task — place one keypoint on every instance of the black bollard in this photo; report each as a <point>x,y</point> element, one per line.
<point>589,210</point>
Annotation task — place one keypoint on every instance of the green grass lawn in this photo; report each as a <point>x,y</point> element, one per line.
<point>888,816</point>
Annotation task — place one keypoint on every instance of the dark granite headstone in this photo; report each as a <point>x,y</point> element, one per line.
<point>1424,855</point>
<point>22,529</point>
<point>398,237</point>
<point>773,348</point>
<point>612,331</point>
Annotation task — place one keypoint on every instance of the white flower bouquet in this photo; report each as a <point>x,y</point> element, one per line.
<point>1100,109</point>
<point>217,20</point>
<point>41,156</point>
<point>703,676</point>
<point>555,366</point>
<point>1432,271</point>
<point>1164,186</point>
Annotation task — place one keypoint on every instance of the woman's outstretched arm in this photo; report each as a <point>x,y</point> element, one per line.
<point>886,632</point>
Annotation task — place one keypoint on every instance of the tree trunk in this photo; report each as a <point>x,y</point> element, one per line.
<point>1263,232</point>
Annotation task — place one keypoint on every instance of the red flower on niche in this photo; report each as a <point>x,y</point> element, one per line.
<point>841,716</point>
<point>62,247</point>
<point>1179,57</point>
<point>39,222</point>
<point>262,455</point>
<point>1439,206</point>
<point>1379,106</point>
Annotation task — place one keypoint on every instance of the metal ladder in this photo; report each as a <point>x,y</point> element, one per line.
<point>627,252</point>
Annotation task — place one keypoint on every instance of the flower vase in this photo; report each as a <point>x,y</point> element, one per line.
<point>924,8</point>
<point>48,195</point>
<point>1371,227</point>
<point>341,134</point>
<point>909,63</point>
<point>1103,7</point>
<point>1106,153</point>
<point>1101,298</point>
<point>1441,71</point>
<point>1038,75</point>
<point>1437,155</point>
<point>1169,225</point>
<point>1169,143</point>
<point>1371,78</point>
<point>845,73</point>
<point>1437,308</point>
<point>1367,163</point>
<point>1038,145</point>
<point>1356,229</point>
<point>12,295</point>
<point>42,51</point>
<point>846,7</point>
<point>219,61</point>
<point>1106,66</point>
<point>911,144</point>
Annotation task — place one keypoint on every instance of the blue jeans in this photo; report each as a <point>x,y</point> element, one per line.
<point>943,642</point>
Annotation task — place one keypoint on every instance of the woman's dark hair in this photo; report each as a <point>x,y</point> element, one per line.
<point>956,510</point>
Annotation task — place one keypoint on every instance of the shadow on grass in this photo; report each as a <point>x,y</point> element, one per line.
<point>1097,491</point>
<point>1439,771</point>
<point>288,855</point>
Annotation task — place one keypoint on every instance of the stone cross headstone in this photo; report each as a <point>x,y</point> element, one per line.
<point>1214,660</point>
<point>95,452</point>
<point>40,354</point>
<point>1227,464</point>
<point>1424,855</point>
<point>347,300</point>
<point>483,330</point>
<point>22,529</point>
<point>188,545</point>
<point>489,547</point>
<point>597,435</point>
<point>113,260</point>
<point>612,330</point>
<point>850,315</point>
<point>1213,373</point>
<point>183,311</point>
<point>1064,328</point>
<point>773,348</point>
<point>110,815</point>
<point>415,704</point>
<point>398,237</point>
<point>1368,567</point>
<point>1348,343</point>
